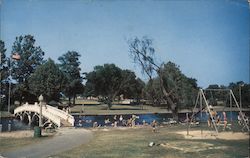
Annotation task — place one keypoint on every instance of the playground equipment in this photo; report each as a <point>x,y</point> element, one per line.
<point>202,104</point>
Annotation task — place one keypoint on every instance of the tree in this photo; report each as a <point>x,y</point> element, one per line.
<point>152,91</point>
<point>47,80</point>
<point>109,81</point>
<point>136,90</point>
<point>183,89</point>
<point>31,57</point>
<point>143,53</point>
<point>70,65</point>
<point>245,92</point>
<point>3,75</point>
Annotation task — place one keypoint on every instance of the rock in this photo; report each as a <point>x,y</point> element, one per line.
<point>151,144</point>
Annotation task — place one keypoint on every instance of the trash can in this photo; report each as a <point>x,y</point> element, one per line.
<point>9,127</point>
<point>37,131</point>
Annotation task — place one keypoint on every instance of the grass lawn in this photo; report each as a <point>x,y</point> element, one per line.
<point>9,144</point>
<point>133,142</point>
<point>102,109</point>
<point>5,114</point>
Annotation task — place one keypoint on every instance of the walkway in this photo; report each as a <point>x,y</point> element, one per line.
<point>65,139</point>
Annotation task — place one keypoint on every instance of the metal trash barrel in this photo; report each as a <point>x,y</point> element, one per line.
<point>37,131</point>
<point>9,127</point>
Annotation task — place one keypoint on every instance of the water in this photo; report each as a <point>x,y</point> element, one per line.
<point>15,124</point>
<point>87,121</point>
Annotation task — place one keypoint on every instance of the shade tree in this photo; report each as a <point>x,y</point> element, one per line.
<point>170,79</point>
<point>30,57</point>
<point>109,81</point>
<point>47,80</point>
<point>70,66</point>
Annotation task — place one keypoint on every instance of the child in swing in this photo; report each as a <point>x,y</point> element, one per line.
<point>212,117</point>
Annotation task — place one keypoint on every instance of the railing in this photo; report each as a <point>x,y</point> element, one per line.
<point>64,115</point>
<point>49,112</point>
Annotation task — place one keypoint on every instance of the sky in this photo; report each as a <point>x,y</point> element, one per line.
<point>209,40</point>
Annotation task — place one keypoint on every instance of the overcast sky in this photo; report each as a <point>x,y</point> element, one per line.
<point>209,40</point>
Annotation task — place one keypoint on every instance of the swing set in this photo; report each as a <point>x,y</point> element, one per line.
<point>202,104</point>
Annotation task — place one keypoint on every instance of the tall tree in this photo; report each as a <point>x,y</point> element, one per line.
<point>135,89</point>
<point>31,57</point>
<point>183,89</point>
<point>143,53</point>
<point>70,65</point>
<point>108,81</point>
<point>47,80</point>
<point>3,75</point>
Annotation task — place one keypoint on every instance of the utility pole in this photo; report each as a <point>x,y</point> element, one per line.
<point>16,57</point>
<point>10,78</point>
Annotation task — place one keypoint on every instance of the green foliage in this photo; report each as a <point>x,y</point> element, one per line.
<point>170,87</point>
<point>3,62</point>
<point>183,89</point>
<point>109,81</point>
<point>31,57</point>
<point>70,65</point>
<point>3,75</point>
<point>47,80</point>
<point>152,91</point>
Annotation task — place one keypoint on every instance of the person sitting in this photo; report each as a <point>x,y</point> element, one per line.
<point>211,117</point>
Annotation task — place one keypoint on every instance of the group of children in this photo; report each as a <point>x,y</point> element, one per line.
<point>217,118</point>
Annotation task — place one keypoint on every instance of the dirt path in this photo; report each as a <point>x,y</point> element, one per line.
<point>196,134</point>
<point>65,139</point>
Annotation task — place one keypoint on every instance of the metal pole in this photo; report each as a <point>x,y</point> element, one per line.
<point>0,89</point>
<point>40,115</point>
<point>231,114</point>
<point>241,114</point>
<point>0,81</point>
<point>240,95</point>
<point>9,87</point>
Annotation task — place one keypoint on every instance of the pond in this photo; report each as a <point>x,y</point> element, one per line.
<point>87,121</point>
<point>15,124</point>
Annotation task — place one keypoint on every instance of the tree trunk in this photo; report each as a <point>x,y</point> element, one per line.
<point>74,99</point>
<point>69,103</point>
<point>170,102</point>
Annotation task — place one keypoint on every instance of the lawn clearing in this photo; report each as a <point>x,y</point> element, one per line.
<point>102,109</point>
<point>134,142</point>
